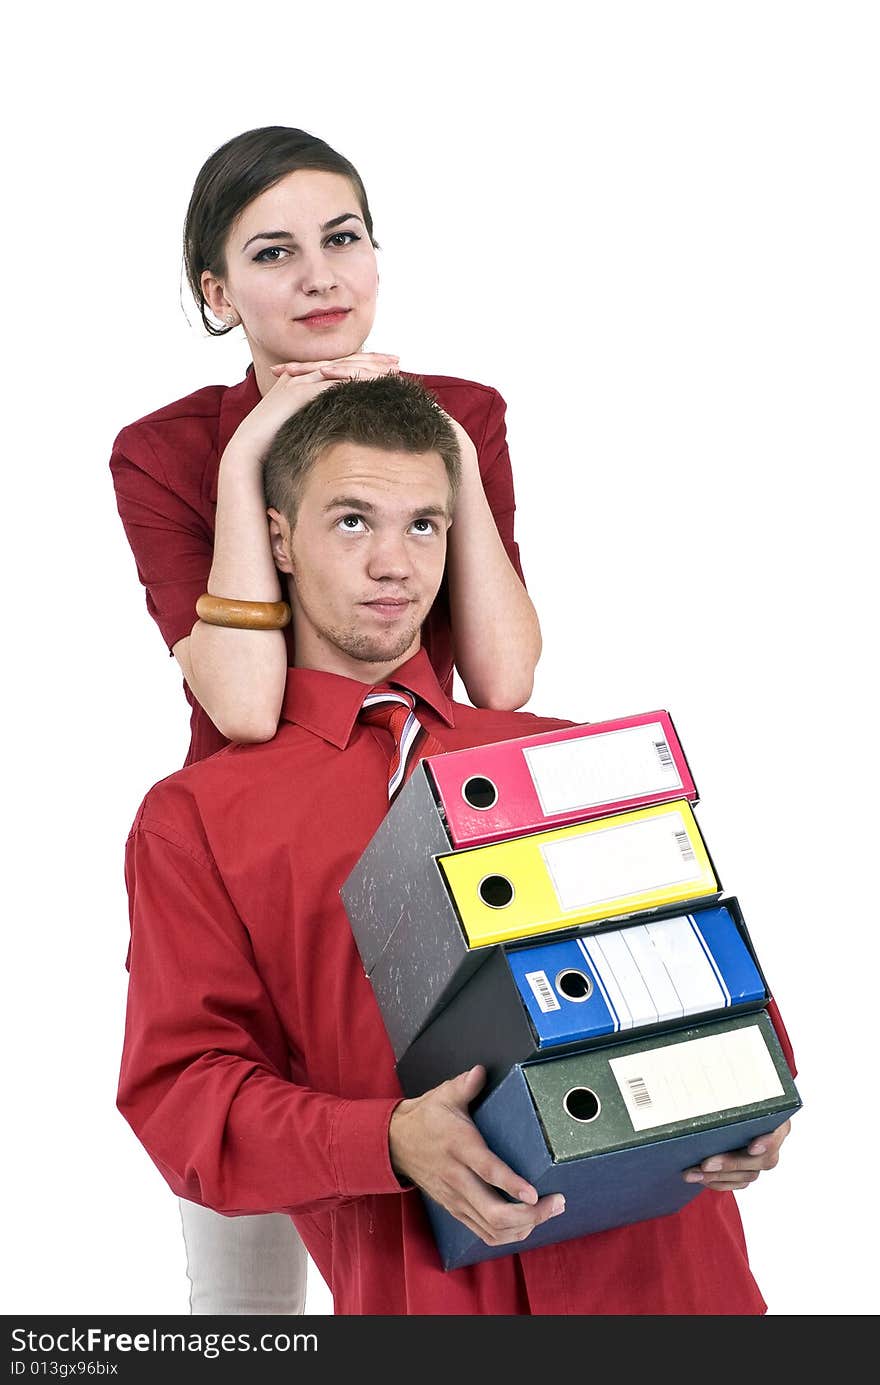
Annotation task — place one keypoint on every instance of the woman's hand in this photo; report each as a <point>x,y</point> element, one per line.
<point>296,384</point>
<point>288,395</point>
<point>470,464</point>
<point>361,365</point>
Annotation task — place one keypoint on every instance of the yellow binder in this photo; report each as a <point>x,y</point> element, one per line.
<point>582,874</point>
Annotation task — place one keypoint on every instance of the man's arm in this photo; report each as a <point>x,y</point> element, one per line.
<point>204,1075</point>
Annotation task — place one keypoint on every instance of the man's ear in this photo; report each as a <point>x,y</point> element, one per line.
<point>279,540</point>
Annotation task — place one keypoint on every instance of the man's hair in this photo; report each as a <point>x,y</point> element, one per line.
<point>388,412</point>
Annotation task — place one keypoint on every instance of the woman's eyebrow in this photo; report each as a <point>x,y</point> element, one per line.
<point>338,220</point>
<point>268,235</point>
<point>287,235</point>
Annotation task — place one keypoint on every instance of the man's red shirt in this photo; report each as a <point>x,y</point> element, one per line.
<point>256,1069</point>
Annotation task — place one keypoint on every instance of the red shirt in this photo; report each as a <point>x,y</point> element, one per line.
<point>165,469</point>
<point>256,1070</point>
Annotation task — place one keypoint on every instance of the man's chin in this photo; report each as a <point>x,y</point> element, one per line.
<point>372,649</point>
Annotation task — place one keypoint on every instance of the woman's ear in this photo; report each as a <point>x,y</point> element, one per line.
<point>215,296</point>
<point>279,540</point>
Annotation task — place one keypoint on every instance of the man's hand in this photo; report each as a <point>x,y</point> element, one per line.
<point>435,1144</point>
<point>733,1172</point>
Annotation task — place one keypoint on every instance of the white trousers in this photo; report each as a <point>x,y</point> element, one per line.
<point>243,1265</point>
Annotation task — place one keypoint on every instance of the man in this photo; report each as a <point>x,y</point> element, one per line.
<point>256,1070</point>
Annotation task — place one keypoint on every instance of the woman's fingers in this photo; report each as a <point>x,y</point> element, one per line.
<point>296,368</point>
<point>379,362</point>
<point>346,370</point>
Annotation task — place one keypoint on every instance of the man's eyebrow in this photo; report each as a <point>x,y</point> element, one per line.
<point>287,235</point>
<point>350,502</point>
<point>364,507</point>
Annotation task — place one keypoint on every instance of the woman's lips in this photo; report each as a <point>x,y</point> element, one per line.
<point>331,318</point>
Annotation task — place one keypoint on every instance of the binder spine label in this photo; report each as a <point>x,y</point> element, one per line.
<point>608,768</point>
<point>621,860</point>
<point>656,971</point>
<point>679,1082</point>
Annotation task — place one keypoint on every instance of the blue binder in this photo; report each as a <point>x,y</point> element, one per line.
<point>527,1001</point>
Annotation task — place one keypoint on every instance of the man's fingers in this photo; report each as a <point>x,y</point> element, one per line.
<point>723,1172</point>
<point>497,1174</point>
<point>740,1167</point>
<point>730,1183</point>
<point>493,1218</point>
<point>461,1090</point>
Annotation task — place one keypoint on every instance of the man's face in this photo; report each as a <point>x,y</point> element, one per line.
<point>366,556</point>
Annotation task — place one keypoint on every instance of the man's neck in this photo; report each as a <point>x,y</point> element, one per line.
<point>326,658</point>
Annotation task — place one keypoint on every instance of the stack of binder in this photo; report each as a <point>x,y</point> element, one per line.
<point>548,907</point>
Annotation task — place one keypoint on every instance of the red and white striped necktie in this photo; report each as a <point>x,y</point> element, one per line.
<point>394,709</point>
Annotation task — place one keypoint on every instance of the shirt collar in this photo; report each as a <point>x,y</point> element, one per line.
<point>328,704</point>
<point>236,404</point>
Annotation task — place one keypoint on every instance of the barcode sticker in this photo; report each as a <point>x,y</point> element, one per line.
<point>664,754</point>
<point>638,1090</point>
<point>685,846</point>
<point>542,991</point>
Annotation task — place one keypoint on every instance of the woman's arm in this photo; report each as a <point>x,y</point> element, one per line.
<point>238,676</point>
<point>497,638</point>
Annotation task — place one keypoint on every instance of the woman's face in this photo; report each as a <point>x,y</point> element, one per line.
<point>300,271</point>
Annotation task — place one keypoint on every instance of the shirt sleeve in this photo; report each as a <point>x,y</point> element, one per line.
<point>172,544</point>
<point>782,1035</point>
<point>203,1080</point>
<point>497,477</point>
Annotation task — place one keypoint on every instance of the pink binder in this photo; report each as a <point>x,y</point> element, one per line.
<point>493,792</point>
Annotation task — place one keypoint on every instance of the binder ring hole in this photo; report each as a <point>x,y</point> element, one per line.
<point>496,891</point>
<point>582,1104</point>
<point>479,792</point>
<point>574,985</point>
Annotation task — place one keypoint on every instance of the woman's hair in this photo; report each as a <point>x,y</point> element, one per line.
<point>232,177</point>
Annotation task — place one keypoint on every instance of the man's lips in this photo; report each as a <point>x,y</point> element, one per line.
<point>388,606</point>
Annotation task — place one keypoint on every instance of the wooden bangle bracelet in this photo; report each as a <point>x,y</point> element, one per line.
<point>242,615</point>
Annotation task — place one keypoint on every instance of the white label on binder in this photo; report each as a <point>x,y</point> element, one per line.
<point>624,860</point>
<point>698,1077</point>
<point>655,971</point>
<point>542,991</point>
<point>588,771</point>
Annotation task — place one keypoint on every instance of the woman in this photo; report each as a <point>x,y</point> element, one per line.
<point>278,239</point>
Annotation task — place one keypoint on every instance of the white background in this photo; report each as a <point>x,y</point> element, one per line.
<point>652,226</point>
